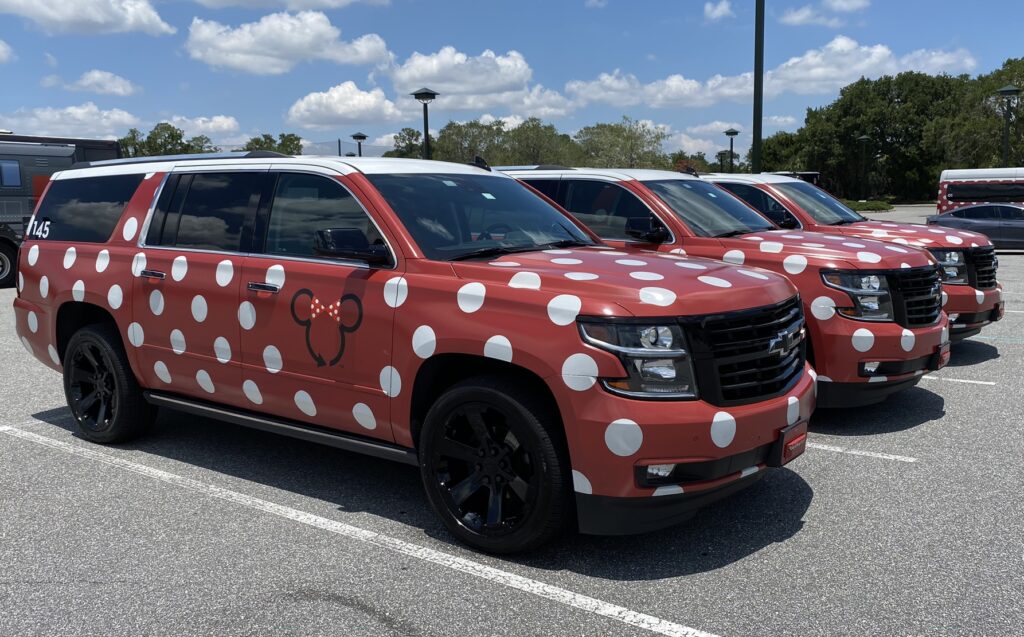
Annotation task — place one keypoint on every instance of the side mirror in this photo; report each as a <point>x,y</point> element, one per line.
<point>643,230</point>
<point>348,243</point>
<point>789,222</point>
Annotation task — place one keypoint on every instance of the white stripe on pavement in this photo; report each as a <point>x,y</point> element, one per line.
<point>959,380</point>
<point>857,452</point>
<point>1014,311</point>
<point>463,565</point>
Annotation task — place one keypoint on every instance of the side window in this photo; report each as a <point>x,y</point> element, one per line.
<point>959,214</point>
<point>547,186</point>
<point>314,216</point>
<point>10,173</point>
<point>84,210</point>
<point>212,209</point>
<point>607,209</point>
<point>1009,213</point>
<point>762,202</point>
<point>981,212</point>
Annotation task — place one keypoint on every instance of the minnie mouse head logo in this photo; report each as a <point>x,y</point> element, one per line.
<point>326,323</point>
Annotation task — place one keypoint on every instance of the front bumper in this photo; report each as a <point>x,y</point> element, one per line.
<point>971,309</point>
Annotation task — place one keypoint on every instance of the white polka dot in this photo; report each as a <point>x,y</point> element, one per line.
<point>773,247</point>
<point>161,371</point>
<point>364,416</point>
<point>199,308</point>
<point>179,268</point>
<point>563,309</point>
<point>723,429</point>
<point>505,264</point>
<point>33,322</point>
<point>714,281</point>
<point>667,489</point>
<point>979,296</point>
<point>424,341</point>
<point>525,280</point>
<point>897,249</point>
<point>580,483</point>
<point>156,302</point>
<point>222,349</point>
<point>615,253</point>
<point>678,251</point>
<point>579,372</point>
<point>275,275</point>
<point>753,275</point>
<point>753,238</point>
<point>247,315</point>
<point>471,297</point>
<point>54,356</point>
<point>813,245</point>
<point>907,340</point>
<point>115,296</point>
<point>935,231</point>
<point>631,262</point>
<point>795,263</point>
<point>863,340</point>
<point>102,260</point>
<point>252,392</point>
<point>646,276</point>
<point>657,296</point>
<point>674,257</point>
<point>905,266</point>
<point>136,335</point>
<point>130,228</point>
<point>792,409</point>
<point>44,286</point>
<point>177,342</point>
<point>78,290</point>
<point>27,346</point>
<point>566,261</point>
<point>138,264</point>
<point>623,437</point>
<point>305,403</point>
<point>879,233</point>
<point>851,244</point>
<point>390,381</point>
<point>901,241</point>
<point>823,308</point>
<point>272,359</point>
<point>33,255</point>
<point>868,257</point>
<point>225,272</point>
<point>205,382</point>
<point>792,236</point>
<point>687,265</point>
<point>945,298</point>
<point>735,257</point>
<point>943,335</point>
<point>21,282</point>
<point>69,257</point>
<point>498,347</point>
<point>580,276</point>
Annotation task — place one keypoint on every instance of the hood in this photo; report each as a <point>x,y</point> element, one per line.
<point>639,283</point>
<point>913,234</point>
<point>797,250</point>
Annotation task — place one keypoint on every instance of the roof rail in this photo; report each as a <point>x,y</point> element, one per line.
<point>534,167</point>
<point>252,154</point>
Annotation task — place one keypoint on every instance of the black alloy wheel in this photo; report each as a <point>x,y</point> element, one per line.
<point>92,388</point>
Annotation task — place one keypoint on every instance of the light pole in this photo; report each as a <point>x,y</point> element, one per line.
<point>425,96</point>
<point>1008,93</point>
<point>360,138</point>
<point>755,149</point>
<point>731,133</point>
<point>863,139</point>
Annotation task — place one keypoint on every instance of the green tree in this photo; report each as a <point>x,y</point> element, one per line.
<point>629,143</point>
<point>164,139</point>
<point>408,143</point>
<point>462,141</point>
<point>286,143</point>
<point>533,142</point>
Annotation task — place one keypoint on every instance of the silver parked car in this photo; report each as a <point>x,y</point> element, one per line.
<point>1002,223</point>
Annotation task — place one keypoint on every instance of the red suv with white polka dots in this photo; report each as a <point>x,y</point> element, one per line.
<point>874,312</point>
<point>430,313</point>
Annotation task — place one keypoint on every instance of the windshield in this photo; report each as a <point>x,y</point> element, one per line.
<point>453,216</point>
<point>708,210</point>
<point>826,209</point>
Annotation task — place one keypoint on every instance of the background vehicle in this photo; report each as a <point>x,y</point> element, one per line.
<point>959,188</point>
<point>1003,224</point>
<point>430,313</point>
<point>26,163</point>
<point>971,295</point>
<point>873,309</point>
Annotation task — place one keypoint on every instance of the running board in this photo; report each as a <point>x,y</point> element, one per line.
<point>339,440</point>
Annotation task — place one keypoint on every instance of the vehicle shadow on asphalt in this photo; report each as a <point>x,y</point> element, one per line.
<point>968,352</point>
<point>769,511</point>
<point>904,410</point>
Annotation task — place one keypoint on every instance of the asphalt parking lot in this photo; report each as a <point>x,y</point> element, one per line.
<point>902,518</point>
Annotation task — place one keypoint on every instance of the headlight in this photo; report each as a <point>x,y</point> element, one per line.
<point>868,292</point>
<point>952,266</point>
<point>656,359</point>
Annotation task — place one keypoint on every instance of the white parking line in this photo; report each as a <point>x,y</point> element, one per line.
<point>960,380</point>
<point>463,565</point>
<point>1014,311</point>
<point>857,452</point>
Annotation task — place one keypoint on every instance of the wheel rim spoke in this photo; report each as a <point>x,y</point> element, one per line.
<point>91,357</point>
<point>519,487</point>
<point>476,421</point>
<point>88,401</point>
<point>101,415</point>
<point>494,506</point>
<point>458,450</point>
<point>466,488</point>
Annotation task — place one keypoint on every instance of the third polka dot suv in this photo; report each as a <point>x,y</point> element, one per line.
<point>436,314</point>
<point>874,316</point>
<point>971,295</point>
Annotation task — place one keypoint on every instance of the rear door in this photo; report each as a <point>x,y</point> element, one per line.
<point>983,219</point>
<point>187,282</point>
<point>1011,226</point>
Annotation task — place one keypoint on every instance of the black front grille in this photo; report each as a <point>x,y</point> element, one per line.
<point>981,267</point>
<point>749,355</point>
<point>916,296</point>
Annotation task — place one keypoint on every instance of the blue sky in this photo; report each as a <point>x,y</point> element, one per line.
<point>328,68</point>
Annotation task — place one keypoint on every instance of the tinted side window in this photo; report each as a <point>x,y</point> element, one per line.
<point>547,186</point>
<point>1009,213</point>
<point>215,208</point>
<point>10,173</point>
<point>973,191</point>
<point>981,212</point>
<point>307,204</point>
<point>84,210</point>
<point>606,208</point>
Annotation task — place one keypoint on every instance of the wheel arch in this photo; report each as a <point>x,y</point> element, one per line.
<point>73,316</point>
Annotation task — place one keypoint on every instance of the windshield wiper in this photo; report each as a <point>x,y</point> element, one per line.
<point>564,243</point>
<point>731,233</point>
<point>493,251</point>
<point>843,222</point>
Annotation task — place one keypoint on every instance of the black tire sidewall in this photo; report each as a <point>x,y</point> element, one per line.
<point>7,278</point>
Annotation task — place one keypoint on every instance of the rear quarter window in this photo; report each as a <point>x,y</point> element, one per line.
<point>84,210</point>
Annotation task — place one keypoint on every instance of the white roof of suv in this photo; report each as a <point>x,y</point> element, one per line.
<point>749,178</point>
<point>620,174</point>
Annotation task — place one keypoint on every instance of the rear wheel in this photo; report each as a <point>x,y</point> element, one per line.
<point>101,389</point>
<point>493,468</point>
<point>8,261</point>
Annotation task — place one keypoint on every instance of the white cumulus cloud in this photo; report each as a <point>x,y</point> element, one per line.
<point>103,83</point>
<point>279,41</point>
<point>714,11</point>
<point>6,52</point>
<point>293,5</point>
<point>345,103</point>
<point>780,121</point>
<point>716,127</point>
<point>847,5</point>
<point>809,15</point>
<point>214,126</point>
<point>84,120</point>
<point>89,16</point>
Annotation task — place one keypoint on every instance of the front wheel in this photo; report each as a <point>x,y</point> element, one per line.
<point>493,467</point>
<point>8,265</point>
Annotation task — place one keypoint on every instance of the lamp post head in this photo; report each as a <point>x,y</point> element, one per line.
<point>731,132</point>
<point>359,137</point>
<point>425,95</point>
<point>863,139</point>
<point>1009,91</point>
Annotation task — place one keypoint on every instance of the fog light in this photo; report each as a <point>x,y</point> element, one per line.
<point>871,367</point>
<point>660,470</point>
<point>953,317</point>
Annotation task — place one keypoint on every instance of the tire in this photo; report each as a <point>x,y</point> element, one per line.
<point>487,446</point>
<point>8,265</point>
<point>97,377</point>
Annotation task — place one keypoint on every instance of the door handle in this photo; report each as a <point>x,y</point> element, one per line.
<point>259,286</point>
<point>153,274</point>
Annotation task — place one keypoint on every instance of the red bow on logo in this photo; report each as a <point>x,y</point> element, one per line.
<point>316,308</point>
